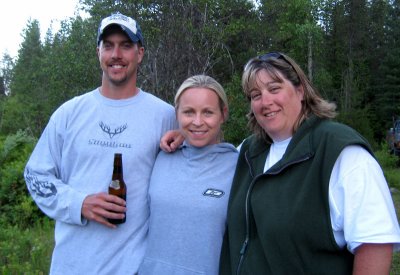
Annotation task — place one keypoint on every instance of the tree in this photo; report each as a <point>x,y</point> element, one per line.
<point>71,62</point>
<point>7,65</point>
<point>183,38</point>
<point>339,43</point>
<point>26,86</point>
<point>386,75</point>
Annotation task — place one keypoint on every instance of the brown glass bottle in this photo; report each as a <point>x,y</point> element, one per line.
<point>117,186</point>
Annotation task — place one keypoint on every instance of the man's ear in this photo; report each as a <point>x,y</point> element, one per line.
<point>98,50</point>
<point>140,53</point>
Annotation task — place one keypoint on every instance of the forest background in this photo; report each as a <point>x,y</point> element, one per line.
<point>350,49</point>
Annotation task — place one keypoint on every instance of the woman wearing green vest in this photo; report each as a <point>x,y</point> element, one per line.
<point>308,196</point>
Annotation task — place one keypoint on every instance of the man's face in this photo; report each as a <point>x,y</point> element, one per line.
<point>119,58</point>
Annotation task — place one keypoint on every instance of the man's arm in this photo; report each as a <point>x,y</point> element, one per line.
<point>57,199</point>
<point>171,141</point>
<point>42,176</point>
<point>102,206</point>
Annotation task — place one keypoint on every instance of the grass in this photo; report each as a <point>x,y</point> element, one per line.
<point>26,251</point>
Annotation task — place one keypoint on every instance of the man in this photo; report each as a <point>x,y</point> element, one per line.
<point>70,169</point>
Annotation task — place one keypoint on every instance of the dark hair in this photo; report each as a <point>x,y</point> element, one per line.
<point>278,65</point>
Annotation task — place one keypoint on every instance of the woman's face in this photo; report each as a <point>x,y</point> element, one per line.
<point>200,117</point>
<point>276,105</point>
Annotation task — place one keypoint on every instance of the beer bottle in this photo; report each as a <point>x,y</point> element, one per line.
<point>117,186</point>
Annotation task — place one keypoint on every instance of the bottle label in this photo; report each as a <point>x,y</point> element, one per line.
<point>115,184</point>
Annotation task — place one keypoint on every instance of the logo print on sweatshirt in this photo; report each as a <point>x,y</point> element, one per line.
<point>112,132</point>
<point>112,136</point>
<point>211,192</point>
<point>43,189</point>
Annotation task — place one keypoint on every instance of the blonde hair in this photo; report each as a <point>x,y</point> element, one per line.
<point>278,65</point>
<point>207,82</point>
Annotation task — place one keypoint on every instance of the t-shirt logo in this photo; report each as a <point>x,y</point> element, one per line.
<point>211,192</point>
<point>112,131</point>
<point>112,135</point>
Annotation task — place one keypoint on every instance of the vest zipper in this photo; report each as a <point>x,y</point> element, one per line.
<point>247,202</point>
<point>242,251</point>
<point>247,237</point>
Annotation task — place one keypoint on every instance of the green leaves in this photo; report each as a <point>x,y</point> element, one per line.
<point>349,48</point>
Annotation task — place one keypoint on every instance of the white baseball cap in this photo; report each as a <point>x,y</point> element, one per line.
<point>127,24</point>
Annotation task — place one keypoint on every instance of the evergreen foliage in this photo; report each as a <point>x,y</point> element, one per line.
<point>348,48</point>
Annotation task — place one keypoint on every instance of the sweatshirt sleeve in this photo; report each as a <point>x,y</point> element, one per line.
<point>43,178</point>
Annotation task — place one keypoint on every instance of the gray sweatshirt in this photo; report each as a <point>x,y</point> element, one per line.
<point>74,158</point>
<point>189,192</point>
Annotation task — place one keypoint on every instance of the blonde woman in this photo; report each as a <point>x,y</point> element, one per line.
<point>189,189</point>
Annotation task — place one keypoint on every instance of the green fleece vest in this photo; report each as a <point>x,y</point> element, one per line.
<point>284,226</point>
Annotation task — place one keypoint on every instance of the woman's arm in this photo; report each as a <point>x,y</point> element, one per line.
<point>373,259</point>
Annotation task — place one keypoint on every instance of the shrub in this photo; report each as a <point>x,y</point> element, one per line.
<point>385,159</point>
<point>16,206</point>
<point>389,164</point>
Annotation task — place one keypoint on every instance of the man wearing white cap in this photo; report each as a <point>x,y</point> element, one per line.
<point>70,169</point>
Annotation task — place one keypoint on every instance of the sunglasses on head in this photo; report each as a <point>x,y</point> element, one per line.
<point>272,55</point>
